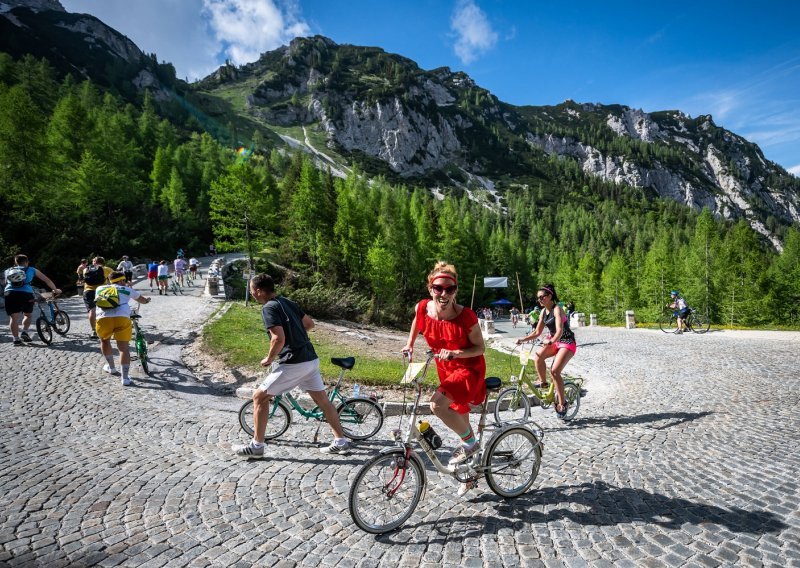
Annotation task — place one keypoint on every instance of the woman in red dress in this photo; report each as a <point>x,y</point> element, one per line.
<point>452,331</point>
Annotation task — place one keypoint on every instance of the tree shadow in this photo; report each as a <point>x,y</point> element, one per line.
<point>594,503</point>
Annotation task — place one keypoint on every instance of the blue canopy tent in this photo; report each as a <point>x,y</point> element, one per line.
<point>502,302</point>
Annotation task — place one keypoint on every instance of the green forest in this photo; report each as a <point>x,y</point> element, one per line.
<point>85,171</point>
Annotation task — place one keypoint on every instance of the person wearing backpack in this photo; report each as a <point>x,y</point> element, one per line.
<point>19,296</point>
<point>114,320</point>
<point>94,276</point>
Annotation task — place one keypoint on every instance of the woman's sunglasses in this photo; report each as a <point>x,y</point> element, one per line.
<point>443,289</point>
<point>540,298</point>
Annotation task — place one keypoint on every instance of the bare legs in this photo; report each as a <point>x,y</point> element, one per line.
<point>261,404</point>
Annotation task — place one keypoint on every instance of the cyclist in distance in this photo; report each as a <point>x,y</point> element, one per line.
<point>681,310</point>
<point>152,274</point>
<point>193,264</point>
<point>94,275</point>
<point>163,277</point>
<point>560,343</point>
<point>452,331</point>
<point>126,266</point>
<point>287,326</point>
<point>180,269</point>
<point>19,296</point>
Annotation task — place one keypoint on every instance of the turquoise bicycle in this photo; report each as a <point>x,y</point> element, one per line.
<point>361,417</point>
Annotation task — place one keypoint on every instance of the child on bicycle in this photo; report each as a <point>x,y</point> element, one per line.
<point>452,331</point>
<point>560,344</point>
<point>287,327</point>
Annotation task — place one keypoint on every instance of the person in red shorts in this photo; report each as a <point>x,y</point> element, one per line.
<point>452,331</point>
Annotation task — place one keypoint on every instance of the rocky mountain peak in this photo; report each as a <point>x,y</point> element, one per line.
<point>35,5</point>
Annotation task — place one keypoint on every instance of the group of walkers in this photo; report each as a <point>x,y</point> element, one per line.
<point>158,272</point>
<point>106,294</point>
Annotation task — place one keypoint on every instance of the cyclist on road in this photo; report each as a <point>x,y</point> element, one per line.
<point>152,275</point>
<point>115,321</point>
<point>560,343</point>
<point>79,271</point>
<point>287,327</point>
<point>193,264</point>
<point>180,268</point>
<point>126,266</point>
<point>452,330</point>
<point>19,296</point>
<point>681,310</point>
<point>163,277</point>
<point>93,276</point>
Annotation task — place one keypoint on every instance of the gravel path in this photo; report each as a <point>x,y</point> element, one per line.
<point>683,454</point>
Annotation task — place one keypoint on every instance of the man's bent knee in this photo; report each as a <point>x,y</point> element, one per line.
<point>261,396</point>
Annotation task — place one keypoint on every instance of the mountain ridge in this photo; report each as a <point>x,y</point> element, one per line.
<point>435,127</point>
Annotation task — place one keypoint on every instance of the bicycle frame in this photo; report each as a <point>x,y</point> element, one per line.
<point>314,413</point>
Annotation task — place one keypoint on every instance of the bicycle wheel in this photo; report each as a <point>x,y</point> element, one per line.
<point>278,422</point>
<point>572,393</point>
<point>699,323</point>
<point>668,323</point>
<point>44,330</point>
<point>514,402</point>
<point>512,462</point>
<point>386,491</point>
<point>141,352</point>
<point>361,418</point>
<point>61,322</point>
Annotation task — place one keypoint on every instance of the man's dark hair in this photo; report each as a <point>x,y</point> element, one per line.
<point>263,282</point>
<point>116,275</point>
<point>20,259</point>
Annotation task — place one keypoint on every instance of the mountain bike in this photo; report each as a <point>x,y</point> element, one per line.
<point>694,321</point>
<point>175,286</point>
<point>388,488</point>
<point>51,317</point>
<point>517,403</point>
<point>140,341</point>
<point>361,417</point>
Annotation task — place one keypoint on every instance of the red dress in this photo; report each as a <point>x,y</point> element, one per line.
<point>462,380</point>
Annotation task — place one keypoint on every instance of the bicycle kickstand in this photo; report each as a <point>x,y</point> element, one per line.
<point>316,434</point>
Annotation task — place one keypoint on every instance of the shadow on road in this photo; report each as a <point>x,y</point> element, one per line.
<point>672,419</point>
<point>592,504</point>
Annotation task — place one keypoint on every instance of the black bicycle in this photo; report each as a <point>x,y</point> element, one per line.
<point>694,321</point>
<point>51,317</point>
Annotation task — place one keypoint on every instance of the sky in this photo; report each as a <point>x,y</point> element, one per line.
<point>737,61</point>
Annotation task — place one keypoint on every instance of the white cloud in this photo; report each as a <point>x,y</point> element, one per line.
<point>474,33</point>
<point>795,170</point>
<point>248,28</point>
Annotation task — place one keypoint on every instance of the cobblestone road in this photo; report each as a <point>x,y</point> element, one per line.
<point>684,453</point>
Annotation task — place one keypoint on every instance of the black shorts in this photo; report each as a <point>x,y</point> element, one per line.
<point>88,299</point>
<point>17,302</point>
<point>129,275</point>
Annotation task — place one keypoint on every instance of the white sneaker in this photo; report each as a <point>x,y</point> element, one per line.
<point>126,382</point>
<point>110,371</point>
<point>462,453</point>
<point>467,487</point>
<point>249,451</point>
<point>334,448</point>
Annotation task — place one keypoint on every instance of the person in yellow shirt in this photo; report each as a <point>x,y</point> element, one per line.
<point>94,276</point>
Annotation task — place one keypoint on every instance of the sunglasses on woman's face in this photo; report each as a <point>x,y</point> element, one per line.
<point>540,298</point>
<point>443,289</point>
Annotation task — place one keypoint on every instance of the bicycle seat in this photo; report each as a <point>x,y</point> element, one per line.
<point>493,383</point>
<point>344,362</point>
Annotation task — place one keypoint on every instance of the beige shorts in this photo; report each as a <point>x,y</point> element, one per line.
<point>288,376</point>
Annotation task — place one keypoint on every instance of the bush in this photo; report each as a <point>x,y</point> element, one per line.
<point>330,303</point>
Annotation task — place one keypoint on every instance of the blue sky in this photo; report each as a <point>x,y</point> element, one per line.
<point>738,61</point>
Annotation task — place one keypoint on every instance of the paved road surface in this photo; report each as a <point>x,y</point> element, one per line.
<point>684,453</point>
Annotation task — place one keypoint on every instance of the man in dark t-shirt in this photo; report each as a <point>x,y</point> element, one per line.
<point>293,363</point>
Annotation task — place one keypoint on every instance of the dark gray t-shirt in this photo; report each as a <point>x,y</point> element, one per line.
<point>285,313</point>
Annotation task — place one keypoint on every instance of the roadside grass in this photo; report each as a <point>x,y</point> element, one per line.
<point>238,338</point>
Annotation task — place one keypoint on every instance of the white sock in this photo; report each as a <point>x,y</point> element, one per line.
<point>110,359</point>
<point>340,441</point>
<point>256,444</point>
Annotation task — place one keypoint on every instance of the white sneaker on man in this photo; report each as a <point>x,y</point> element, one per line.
<point>249,450</point>
<point>111,371</point>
